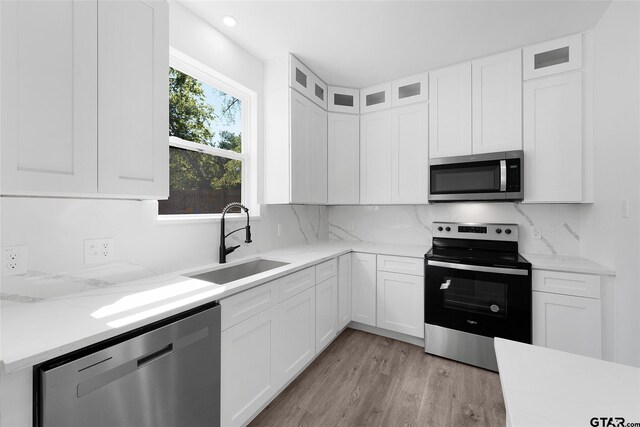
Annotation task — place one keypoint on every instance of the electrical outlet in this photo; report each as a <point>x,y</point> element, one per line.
<point>98,250</point>
<point>279,230</point>
<point>14,260</point>
<point>535,232</point>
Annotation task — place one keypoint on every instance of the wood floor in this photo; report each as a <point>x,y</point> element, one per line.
<point>367,380</point>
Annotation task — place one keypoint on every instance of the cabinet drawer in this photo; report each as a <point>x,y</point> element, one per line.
<point>410,90</point>
<point>344,100</point>
<point>375,98</point>
<point>399,264</point>
<point>295,283</point>
<point>242,306</point>
<point>553,57</point>
<point>326,270</point>
<point>557,282</point>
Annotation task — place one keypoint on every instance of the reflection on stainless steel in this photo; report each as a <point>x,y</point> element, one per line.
<point>239,271</point>
<point>468,348</point>
<point>163,376</point>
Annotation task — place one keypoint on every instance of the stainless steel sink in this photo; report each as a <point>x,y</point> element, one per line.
<point>239,271</point>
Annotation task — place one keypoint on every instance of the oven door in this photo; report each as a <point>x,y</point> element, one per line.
<point>482,300</point>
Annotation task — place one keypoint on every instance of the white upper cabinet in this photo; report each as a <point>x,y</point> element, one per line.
<point>375,98</point>
<point>344,159</point>
<point>306,82</point>
<point>375,158</point>
<point>497,102</point>
<point>308,151</point>
<point>450,111</point>
<point>409,154</point>
<point>295,134</point>
<point>344,100</point>
<point>96,124</point>
<point>410,90</point>
<point>318,155</point>
<point>553,139</point>
<point>133,55</point>
<point>553,57</point>
<point>49,113</point>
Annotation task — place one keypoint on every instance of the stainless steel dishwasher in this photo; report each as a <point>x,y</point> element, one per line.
<point>164,374</point>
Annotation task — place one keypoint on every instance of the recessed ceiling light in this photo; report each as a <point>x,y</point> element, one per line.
<point>229,21</point>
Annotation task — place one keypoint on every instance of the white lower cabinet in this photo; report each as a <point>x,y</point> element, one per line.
<point>344,291</point>
<point>248,374</point>
<point>564,318</point>
<point>363,288</point>
<point>296,337</point>
<point>326,312</point>
<point>400,303</point>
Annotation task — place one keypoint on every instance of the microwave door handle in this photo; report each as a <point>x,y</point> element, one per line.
<point>503,175</point>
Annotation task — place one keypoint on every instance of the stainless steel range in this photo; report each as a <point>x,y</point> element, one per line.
<point>477,287</point>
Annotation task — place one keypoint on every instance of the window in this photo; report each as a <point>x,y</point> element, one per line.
<point>210,141</point>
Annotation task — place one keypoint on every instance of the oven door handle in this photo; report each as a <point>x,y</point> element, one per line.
<point>479,268</point>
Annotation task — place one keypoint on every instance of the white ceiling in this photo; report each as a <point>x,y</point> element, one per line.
<point>360,43</point>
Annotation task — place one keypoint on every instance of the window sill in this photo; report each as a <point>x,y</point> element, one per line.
<point>203,218</point>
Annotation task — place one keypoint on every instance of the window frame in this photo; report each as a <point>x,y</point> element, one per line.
<point>249,150</point>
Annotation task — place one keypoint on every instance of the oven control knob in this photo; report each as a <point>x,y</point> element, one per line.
<point>440,228</point>
<point>448,228</point>
<point>507,231</point>
<point>498,230</point>
<point>494,308</point>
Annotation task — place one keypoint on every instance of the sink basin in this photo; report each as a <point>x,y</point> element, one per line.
<point>239,271</point>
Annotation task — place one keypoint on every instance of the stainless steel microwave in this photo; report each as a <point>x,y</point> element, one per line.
<point>487,177</point>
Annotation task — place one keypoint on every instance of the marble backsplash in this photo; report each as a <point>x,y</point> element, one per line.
<point>411,224</point>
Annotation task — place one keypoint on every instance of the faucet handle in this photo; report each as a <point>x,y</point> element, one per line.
<point>231,249</point>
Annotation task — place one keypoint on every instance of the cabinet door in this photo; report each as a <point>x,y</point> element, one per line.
<point>49,101</point>
<point>133,98</point>
<point>344,291</point>
<point>375,158</point>
<point>326,312</point>
<point>318,155</point>
<point>363,288</point>
<point>344,100</point>
<point>567,323</point>
<point>344,159</point>
<point>400,304</point>
<point>409,154</point>
<point>296,344</point>
<point>450,111</point>
<point>553,139</point>
<point>300,148</point>
<point>410,90</point>
<point>553,57</point>
<point>497,103</point>
<point>375,98</point>
<point>248,375</point>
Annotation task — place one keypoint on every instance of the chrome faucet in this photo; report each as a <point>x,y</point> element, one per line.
<point>224,251</point>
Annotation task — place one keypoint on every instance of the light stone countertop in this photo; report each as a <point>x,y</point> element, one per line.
<point>569,264</point>
<point>43,316</point>
<point>545,387</point>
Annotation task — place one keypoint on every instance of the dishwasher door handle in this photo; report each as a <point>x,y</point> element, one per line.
<point>144,360</point>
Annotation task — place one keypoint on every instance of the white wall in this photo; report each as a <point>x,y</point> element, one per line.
<point>560,224</point>
<point>607,237</point>
<point>54,229</point>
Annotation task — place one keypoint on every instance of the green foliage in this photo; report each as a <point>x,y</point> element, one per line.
<point>190,118</point>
